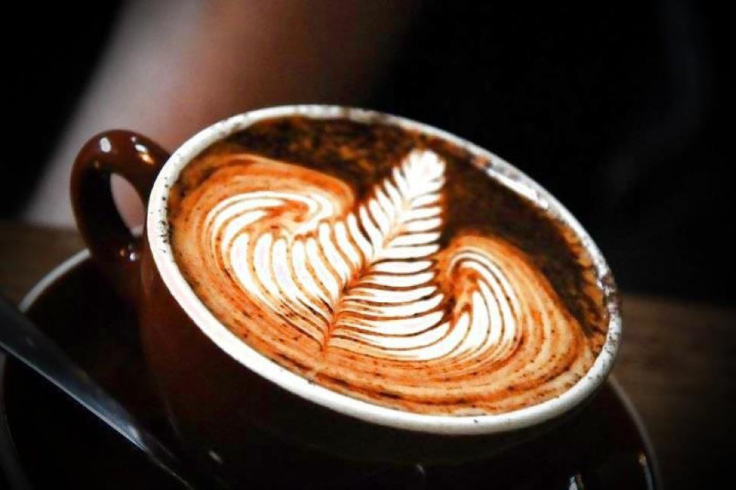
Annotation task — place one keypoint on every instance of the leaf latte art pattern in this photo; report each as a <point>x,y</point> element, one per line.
<point>361,297</point>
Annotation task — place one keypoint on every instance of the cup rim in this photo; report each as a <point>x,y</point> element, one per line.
<point>157,230</point>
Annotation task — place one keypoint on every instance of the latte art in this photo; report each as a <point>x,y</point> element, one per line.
<point>357,279</point>
<point>364,297</point>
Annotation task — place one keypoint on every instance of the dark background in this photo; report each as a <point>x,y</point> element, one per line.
<point>620,111</point>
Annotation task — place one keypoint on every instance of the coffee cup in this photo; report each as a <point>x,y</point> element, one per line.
<point>338,284</point>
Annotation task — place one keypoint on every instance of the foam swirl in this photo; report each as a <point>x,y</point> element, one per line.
<point>360,297</point>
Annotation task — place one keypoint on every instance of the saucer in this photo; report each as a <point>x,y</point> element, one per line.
<point>46,441</point>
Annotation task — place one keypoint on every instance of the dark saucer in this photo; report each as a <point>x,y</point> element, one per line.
<point>48,442</point>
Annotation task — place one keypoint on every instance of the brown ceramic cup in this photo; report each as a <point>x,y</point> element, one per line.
<point>226,402</point>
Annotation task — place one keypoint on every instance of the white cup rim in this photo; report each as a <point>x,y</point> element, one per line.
<point>507,174</point>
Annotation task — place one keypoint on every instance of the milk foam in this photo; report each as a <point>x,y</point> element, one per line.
<point>473,326</point>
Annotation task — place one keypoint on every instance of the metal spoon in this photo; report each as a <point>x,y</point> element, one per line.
<point>20,338</point>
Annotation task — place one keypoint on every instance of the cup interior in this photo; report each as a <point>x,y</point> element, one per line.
<point>498,169</point>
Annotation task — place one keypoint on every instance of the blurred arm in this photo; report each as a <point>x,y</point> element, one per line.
<point>176,66</point>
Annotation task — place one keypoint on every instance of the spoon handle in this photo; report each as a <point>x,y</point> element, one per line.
<point>20,338</point>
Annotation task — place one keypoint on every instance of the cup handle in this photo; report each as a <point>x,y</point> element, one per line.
<point>114,247</point>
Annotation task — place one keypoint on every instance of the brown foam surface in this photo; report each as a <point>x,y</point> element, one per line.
<point>386,265</point>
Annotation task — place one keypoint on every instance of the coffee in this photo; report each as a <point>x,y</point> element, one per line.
<point>387,265</point>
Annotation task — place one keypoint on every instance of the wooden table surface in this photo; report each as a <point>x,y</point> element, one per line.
<point>677,361</point>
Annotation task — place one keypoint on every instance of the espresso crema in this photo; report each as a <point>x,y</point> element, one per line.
<point>386,265</point>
